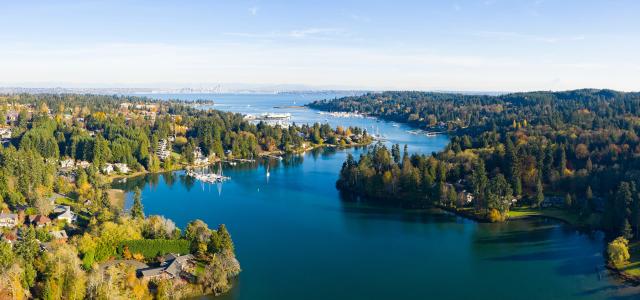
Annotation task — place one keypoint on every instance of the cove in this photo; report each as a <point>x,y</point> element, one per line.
<point>296,238</point>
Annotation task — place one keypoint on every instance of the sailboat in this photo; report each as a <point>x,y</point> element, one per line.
<point>209,177</point>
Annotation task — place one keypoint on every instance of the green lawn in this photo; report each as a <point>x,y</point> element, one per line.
<point>67,201</point>
<point>632,268</point>
<point>200,265</point>
<point>556,213</point>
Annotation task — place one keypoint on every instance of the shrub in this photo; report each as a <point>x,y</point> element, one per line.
<point>618,251</point>
<point>495,216</point>
<point>151,248</point>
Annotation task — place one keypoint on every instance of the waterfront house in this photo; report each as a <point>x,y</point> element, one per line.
<point>8,220</point>
<point>83,164</point>
<point>173,266</point>
<point>199,158</point>
<point>67,164</point>
<point>122,168</point>
<point>464,198</point>
<point>107,169</point>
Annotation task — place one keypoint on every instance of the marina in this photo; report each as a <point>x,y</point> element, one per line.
<point>208,177</point>
<point>342,114</point>
<point>269,118</point>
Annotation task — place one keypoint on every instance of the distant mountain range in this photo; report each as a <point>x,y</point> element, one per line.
<point>163,88</point>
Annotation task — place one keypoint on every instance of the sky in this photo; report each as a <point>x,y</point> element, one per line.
<point>484,45</point>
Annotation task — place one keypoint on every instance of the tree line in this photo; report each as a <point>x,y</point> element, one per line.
<point>527,148</point>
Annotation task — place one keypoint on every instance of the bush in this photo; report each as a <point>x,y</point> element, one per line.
<point>152,248</point>
<point>495,216</point>
<point>618,251</point>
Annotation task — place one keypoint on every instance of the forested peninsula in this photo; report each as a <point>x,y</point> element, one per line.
<point>571,155</point>
<point>64,231</point>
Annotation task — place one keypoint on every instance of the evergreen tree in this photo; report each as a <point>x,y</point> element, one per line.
<point>627,232</point>
<point>137,210</point>
<point>568,201</point>
<point>225,238</point>
<point>480,182</point>
<point>562,165</point>
<point>539,193</point>
<point>623,200</point>
<point>548,163</point>
<point>395,152</point>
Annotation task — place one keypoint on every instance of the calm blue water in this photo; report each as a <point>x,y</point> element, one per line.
<point>260,103</point>
<point>297,239</point>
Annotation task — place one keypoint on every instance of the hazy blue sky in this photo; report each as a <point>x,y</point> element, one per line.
<point>485,45</point>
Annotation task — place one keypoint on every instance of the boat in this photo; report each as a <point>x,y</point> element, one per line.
<point>430,134</point>
<point>268,173</point>
<point>209,177</point>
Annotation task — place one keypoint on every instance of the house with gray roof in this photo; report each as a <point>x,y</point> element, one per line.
<point>173,266</point>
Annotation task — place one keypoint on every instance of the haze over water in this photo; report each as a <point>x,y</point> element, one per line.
<point>296,238</point>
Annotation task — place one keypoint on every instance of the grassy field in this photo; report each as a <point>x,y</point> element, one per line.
<point>632,268</point>
<point>556,213</point>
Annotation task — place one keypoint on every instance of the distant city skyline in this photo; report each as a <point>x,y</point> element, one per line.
<point>484,45</point>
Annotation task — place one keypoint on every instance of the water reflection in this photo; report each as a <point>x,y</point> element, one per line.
<point>298,239</point>
<point>299,215</point>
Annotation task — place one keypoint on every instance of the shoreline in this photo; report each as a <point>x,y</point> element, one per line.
<point>181,167</point>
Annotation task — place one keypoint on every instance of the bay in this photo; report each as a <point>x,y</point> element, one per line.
<point>296,238</point>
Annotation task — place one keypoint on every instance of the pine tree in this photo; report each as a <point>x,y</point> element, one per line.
<point>452,196</point>
<point>104,199</point>
<point>517,186</point>
<point>225,238</point>
<point>627,232</point>
<point>621,211</point>
<point>563,161</point>
<point>547,169</point>
<point>539,193</point>
<point>568,202</point>
<point>589,165</point>
<point>480,182</point>
<point>588,194</point>
<point>587,205</point>
<point>137,211</point>
<point>395,152</point>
